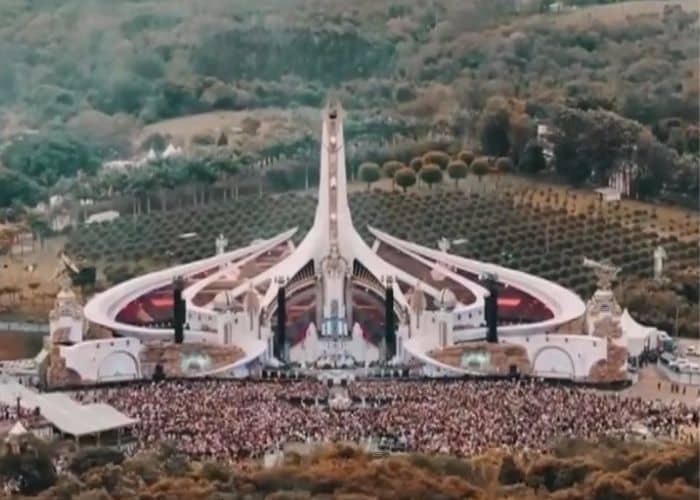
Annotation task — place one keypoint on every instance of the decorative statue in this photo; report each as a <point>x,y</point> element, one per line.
<point>659,256</point>
<point>221,243</point>
<point>605,271</point>
<point>66,283</point>
<point>334,264</point>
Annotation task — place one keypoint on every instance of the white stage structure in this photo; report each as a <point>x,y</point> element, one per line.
<point>340,283</point>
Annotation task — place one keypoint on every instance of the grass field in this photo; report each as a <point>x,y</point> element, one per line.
<point>275,125</point>
<point>619,12</point>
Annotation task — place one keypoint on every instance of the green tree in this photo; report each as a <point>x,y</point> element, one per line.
<point>494,127</point>
<point>226,168</point>
<point>39,227</point>
<point>32,468</point>
<point>90,457</point>
<point>278,178</point>
<point>657,165</point>
<point>15,187</point>
<point>390,168</point>
<point>127,93</point>
<point>430,174</point>
<point>405,178</point>
<point>369,173</point>
<point>457,169</point>
<point>164,181</point>
<point>588,144</point>
<point>480,167</point>
<point>48,156</point>
<point>692,139</point>
<point>416,164</point>
<point>202,176</point>
<point>139,183</point>
<point>466,156</point>
<point>532,160</point>
<point>439,158</point>
<point>504,164</point>
<point>570,164</point>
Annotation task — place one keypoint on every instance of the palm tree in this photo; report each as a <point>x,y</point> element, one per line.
<point>39,227</point>
<point>141,183</point>
<point>163,179</point>
<point>179,176</point>
<point>225,168</point>
<point>202,176</point>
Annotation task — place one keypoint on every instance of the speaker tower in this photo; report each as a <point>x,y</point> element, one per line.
<point>390,329</point>
<point>280,333</point>
<point>491,310</point>
<point>179,310</point>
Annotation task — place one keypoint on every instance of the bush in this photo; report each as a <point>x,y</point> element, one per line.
<point>369,173</point>
<point>504,165</point>
<point>87,458</point>
<point>430,174</point>
<point>33,468</point>
<point>480,167</point>
<point>466,156</point>
<point>457,170</point>
<point>214,471</point>
<point>405,178</point>
<point>439,158</point>
<point>416,164</point>
<point>510,472</point>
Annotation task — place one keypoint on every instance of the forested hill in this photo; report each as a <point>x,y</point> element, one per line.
<point>486,71</point>
<point>156,59</point>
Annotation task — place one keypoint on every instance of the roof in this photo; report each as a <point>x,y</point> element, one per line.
<point>67,415</point>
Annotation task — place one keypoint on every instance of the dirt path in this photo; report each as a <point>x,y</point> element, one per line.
<point>31,303</point>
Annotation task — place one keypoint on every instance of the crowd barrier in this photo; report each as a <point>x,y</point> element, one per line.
<point>282,376</point>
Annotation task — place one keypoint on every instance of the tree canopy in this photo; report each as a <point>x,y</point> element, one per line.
<point>46,157</point>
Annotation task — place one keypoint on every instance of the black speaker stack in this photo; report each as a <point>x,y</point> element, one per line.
<point>390,330</point>
<point>179,310</point>
<point>280,333</point>
<point>158,373</point>
<point>491,310</point>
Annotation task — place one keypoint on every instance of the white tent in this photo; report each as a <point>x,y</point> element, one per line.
<point>64,413</point>
<point>171,151</point>
<point>17,430</point>
<point>105,216</point>
<point>639,335</point>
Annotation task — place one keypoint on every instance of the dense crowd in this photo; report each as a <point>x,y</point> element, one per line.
<point>242,420</point>
<point>12,413</point>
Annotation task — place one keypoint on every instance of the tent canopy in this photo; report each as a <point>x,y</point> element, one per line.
<point>67,415</point>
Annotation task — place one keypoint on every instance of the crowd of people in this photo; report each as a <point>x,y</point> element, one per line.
<point>12,413</point>
<point>237,421</point>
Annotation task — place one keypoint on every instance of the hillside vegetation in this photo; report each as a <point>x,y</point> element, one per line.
<point>598,471</point>
<point>87,75</point>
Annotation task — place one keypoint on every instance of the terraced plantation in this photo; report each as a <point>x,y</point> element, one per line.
<point>545,240</point>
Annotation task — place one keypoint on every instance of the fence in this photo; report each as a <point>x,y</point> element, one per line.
<point>23,326</point>
<point>680,377</point>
